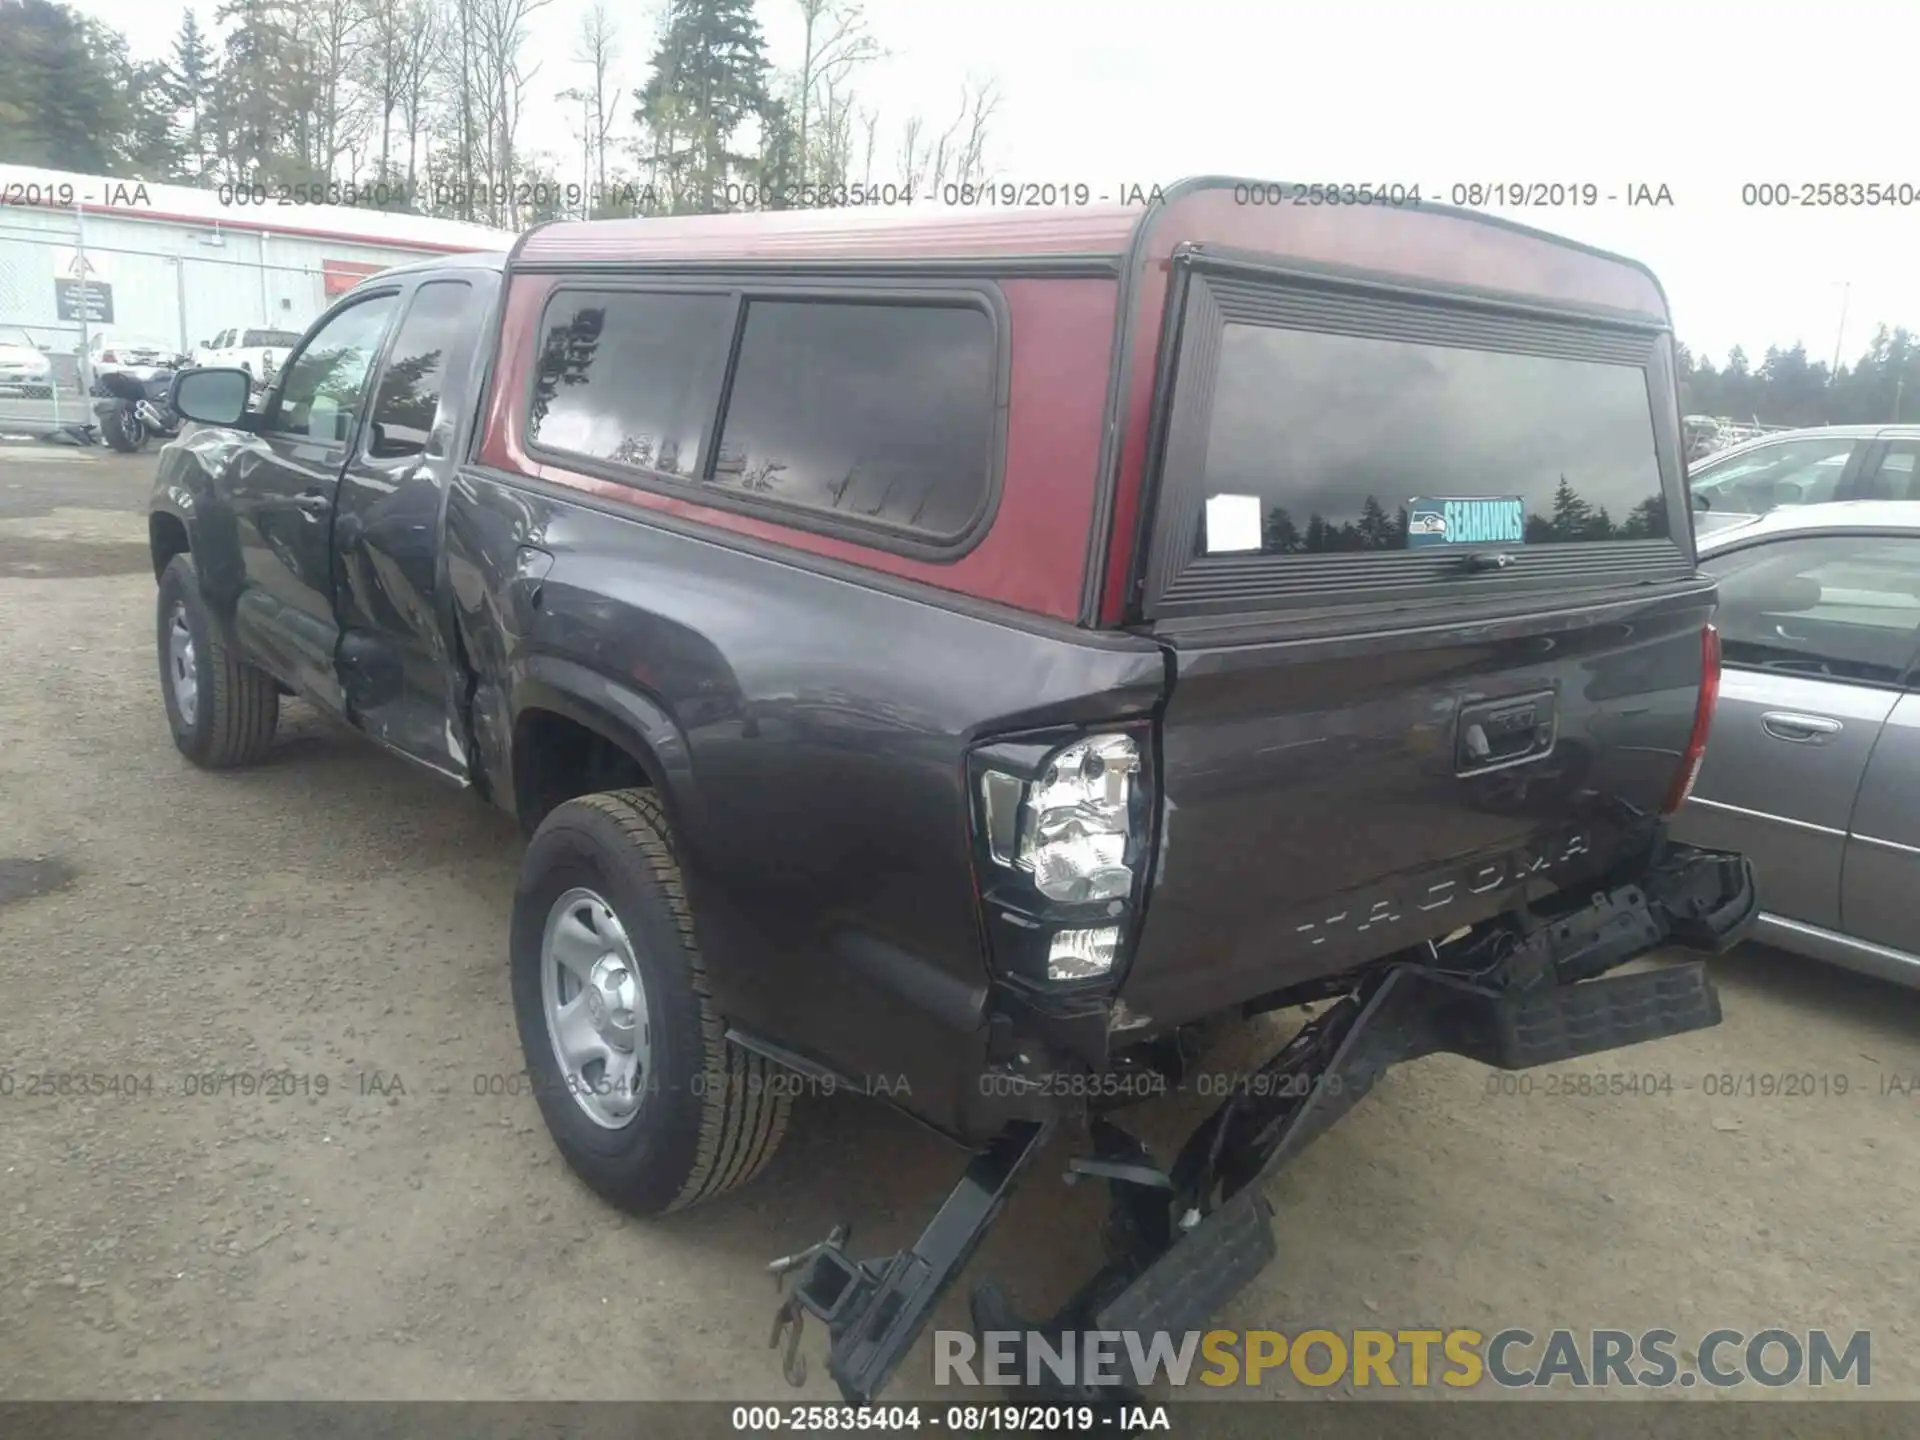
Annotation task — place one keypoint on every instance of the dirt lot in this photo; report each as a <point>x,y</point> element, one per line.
<point>406,1234</point>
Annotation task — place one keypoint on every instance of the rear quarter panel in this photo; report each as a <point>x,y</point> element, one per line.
<point>808,733</point>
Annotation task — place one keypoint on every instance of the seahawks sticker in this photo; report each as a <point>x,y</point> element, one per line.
<point>1493,521</point>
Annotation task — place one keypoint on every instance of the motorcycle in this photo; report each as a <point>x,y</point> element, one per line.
<point>133,410</point>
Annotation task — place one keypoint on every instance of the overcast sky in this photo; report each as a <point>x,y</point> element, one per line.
<point>1702,97</point>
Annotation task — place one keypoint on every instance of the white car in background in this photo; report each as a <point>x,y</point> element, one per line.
<point>259,351</point>
<point>111,352</point>
<point>1804,467</point>
<point>24,366</point>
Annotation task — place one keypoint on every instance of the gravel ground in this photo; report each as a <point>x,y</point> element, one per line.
<point>339,917</point>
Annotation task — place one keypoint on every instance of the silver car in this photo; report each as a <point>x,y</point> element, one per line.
<point>1803,467</point>
<point>1813,765</point>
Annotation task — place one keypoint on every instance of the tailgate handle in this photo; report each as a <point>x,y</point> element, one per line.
<point>1799,729</point>
<point>1493,733</point>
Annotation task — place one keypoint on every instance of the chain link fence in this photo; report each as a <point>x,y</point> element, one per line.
<point>72,288</point>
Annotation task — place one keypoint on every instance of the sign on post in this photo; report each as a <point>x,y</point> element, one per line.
<point>79,290</point>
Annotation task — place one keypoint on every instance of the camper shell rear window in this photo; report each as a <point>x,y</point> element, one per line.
<point>1331,444</point>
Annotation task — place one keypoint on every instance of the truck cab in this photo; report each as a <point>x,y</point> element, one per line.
<point>956,656</point>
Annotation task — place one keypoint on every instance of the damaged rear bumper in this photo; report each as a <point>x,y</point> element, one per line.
<point>1185,1238</point>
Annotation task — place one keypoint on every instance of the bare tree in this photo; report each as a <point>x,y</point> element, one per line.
<point>332,34</point>
<point>958,154</point>
<point>583,131</point>
<point>420,61</point>
<point>912,150</point>
<point>453,80</point>
<point>597,47</point>
<point>389,40</point>
<point>836,43</point>
<point>869,131</point>
<point>500,80</point>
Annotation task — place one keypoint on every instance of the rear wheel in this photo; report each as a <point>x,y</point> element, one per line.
<point>647,1099</point>
<point>222,711</point>
<point>123,430</point>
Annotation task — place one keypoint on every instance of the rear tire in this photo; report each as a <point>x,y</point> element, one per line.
<point>123,430</point>
<point>681,1115</point>
<point>222,711</point>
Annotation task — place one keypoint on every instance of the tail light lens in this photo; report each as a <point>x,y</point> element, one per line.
<point>110,357</point>
<point>1702,721</point>
<point>1061,830</point>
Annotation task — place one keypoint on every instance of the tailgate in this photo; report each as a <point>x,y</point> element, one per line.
<point>1324,803</point>
<point>1434,643</point>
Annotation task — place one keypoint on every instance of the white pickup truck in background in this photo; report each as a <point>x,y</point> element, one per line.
<point>259,352</point>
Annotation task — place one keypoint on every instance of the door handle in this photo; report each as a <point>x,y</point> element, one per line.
<point>1799,729</point>
<point>312,502</point>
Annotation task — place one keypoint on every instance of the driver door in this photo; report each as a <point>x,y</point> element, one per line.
<point>283,488</point>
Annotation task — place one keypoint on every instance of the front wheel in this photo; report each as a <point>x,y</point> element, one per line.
<point>644,1095</point>
<point>222,711</point>
<point>123,430</point>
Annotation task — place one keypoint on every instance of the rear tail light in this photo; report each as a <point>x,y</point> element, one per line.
<point>1061,838</point>
<point>109,357</point>
<point>1702,721</point>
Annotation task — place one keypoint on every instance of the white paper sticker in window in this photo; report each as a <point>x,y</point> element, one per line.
<point>1233,523</point>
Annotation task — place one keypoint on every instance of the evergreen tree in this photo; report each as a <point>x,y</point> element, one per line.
<point>1573,517</point>
<point>61,101</point>
<point>193,67</point>
<point>1280,537</point>
<point>261,79</point>
<point>1375,530</point>
<point>778,169</point>
<point>1646,521</point>
<point>707,78</point>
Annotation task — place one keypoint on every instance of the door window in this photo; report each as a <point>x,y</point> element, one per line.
<point>1894,479</point>
<point>435,333</point>
<point>1796,472</point>
<point>1838,606</point>
<point>321,393</point>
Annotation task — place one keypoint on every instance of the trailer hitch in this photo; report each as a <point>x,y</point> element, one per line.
<point>875,1309</point>
<point>1182,1241</point>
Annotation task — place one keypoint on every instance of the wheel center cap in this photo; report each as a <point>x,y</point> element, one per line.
<point>610,997</point>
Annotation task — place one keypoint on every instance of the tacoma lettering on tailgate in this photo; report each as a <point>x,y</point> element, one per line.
<point>1423,894</point>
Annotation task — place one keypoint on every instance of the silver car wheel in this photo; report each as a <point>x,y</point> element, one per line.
<point>183,674</point>
<point>596,1008</point>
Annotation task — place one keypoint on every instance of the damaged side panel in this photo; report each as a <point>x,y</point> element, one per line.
<point>810,735</point>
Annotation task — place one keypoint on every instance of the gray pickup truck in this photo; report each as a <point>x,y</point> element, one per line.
<point>957,655</point>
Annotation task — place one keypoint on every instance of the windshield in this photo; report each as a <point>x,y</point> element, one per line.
<point>137,342</point>
<point>1752,482</point>
<point>12,335</point>
<point>273,339</point>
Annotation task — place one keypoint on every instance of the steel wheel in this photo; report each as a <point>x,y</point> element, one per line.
<point>183,673</point>
<point>596,1008</point>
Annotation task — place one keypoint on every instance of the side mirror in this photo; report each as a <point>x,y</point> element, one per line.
<point>1701,502</point>
<point>212,397</point>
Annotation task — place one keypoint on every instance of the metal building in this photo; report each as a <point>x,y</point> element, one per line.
<point>176,264</point>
